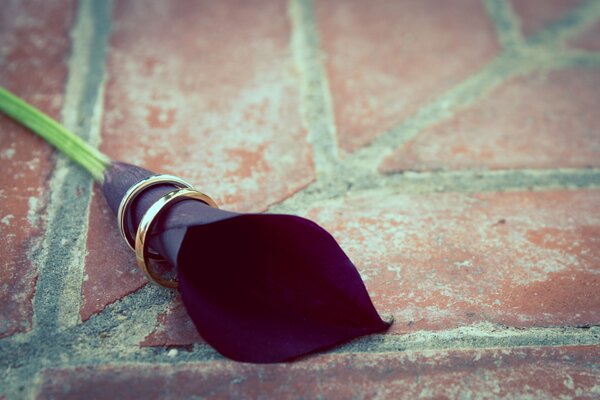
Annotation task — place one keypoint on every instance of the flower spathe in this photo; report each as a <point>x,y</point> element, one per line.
<point>259,287</point>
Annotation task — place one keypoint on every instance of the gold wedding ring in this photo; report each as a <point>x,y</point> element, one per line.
<point>148,221</point>
<point>133,192</point>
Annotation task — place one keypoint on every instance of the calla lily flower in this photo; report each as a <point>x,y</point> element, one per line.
<point>259,287</point>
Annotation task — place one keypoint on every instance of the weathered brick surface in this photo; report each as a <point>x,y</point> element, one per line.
<point>111,271</point>
<point>34,46</point>
<point>537,373</point>
<point>445,260</point>
<point>210,91</point>
<point>385,59</point>
<point>224,117</point>
<point>229,111</point>
<point>535,14</point>
<point>542,120</point>
<point>174,328</point>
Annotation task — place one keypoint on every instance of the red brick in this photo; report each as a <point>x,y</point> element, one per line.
<point>175,328</point>
<point>34,46</point>
<point>537,121</point>
<point>212,97</point>
<point>535,14</point>
<point>223,111</point>
<point>109,275</point>
<point>539,373</point>
<point>589,39</point>
<point>386,59</point>
<point>446,260</point>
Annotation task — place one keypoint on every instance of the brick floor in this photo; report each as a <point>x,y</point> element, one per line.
<point>535,14</point>
<point>500,373</point>
<point>33,54</point>
<point>158,81</point>
<point>383,58</point>
<point>446,260</point>
<point>440,109</point>
<point>542,120</point>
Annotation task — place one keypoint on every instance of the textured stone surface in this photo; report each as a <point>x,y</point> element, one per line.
<point>34,46</point>
<point>542,120</point>
<point>535,14</point>
<point>386,59</point>
<point>111,270</point>
<point>226,116</point>
<point>537,373</point>
<point>229,111</point>
<point>446,260</point>
<point>174,328</point>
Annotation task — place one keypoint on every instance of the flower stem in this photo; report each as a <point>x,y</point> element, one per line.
<point>71,145</point>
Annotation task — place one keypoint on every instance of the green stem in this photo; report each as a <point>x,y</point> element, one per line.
<point>54,133</point>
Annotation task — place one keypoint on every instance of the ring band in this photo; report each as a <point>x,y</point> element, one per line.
<point>133,192</point>
<point>147,223</point>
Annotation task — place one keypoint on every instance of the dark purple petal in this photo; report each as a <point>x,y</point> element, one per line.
<point>259,287</point>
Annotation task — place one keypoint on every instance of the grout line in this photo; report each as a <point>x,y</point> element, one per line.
<point>537,52</point>
<point>569,25</point>
<point>470,181</point>
<point>462,95</point>
<point>60,260</point>
<point>108,337</point>
<point>460,181</point>
<point>506,22</point>
<point>479,336</point>
<point>575,58</point>
<point>128,320</point>
<point>60,263</point>
<point>316,102</point>
<point>84,349</point>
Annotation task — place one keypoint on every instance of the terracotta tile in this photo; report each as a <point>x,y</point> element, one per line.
<point>446,260</point>
<point>386,59</point>
<point>537,121</point>
<point>174,328</point>
<point>535,14</point>
<point>206,91</point>
<point>540,373</point>
<point>195,100</point>
<point>34,47</point>
<point>111,271</point>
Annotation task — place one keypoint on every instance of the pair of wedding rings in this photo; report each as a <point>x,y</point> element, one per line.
<point>139,244</point>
